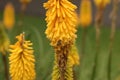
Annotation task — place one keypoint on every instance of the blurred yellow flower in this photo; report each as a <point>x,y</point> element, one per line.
<point>9,16</point>
<point>22,61</point>
<point>4,41</point>
<point>101,3</point>
<point>73,56</point>
<point>61,21</point>
<point>85,13</point>
<point>25,1</point>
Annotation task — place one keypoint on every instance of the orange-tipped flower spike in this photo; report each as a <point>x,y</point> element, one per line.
<point>22,60</point>
<point>61,21</point>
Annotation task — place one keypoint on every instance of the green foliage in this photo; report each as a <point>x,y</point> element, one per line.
<point>34,29</point>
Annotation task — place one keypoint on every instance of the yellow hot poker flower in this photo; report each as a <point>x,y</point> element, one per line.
<point>68,71</point>
<point>22,62</point>
<point>61,21</point>
<point>73,56</point>
<point>85,13</point>
<point>25,1</point>
<point>4,41</point>
<point>101,3</point>
<point>9,16</point>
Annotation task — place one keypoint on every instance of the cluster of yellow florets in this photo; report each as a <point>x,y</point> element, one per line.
<point>73,56</point>
<point>22,60</point>
<point>61,21</point>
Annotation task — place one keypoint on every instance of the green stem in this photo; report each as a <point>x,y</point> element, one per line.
<point>5,66</point>
<point>74,74</point>
<point>98,22</point>
<point>112,35</point>
<point>84,40</point>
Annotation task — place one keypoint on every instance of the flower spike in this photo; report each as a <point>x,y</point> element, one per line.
<point>22,61</point>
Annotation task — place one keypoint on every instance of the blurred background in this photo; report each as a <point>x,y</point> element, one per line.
<point>34,25</point>
<point>35,8</point>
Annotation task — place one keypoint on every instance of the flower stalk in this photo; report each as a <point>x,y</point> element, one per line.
<point>100,4</point>
<point>4,41</point>
<point>67,63</point>
<point>98,21</point>
<point>24,4</point>
<point>113,17</point>
<point>4,58</point>
<point>4,44</point>
<point>61,59</point>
